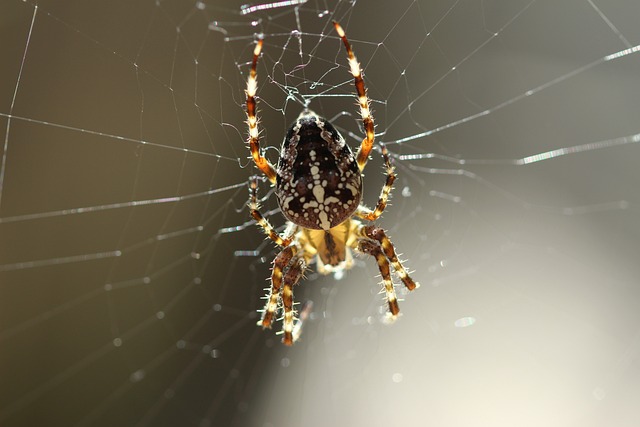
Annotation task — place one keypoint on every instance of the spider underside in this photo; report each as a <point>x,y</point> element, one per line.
<point>318,184</point>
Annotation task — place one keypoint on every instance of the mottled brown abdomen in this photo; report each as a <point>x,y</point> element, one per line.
<point>319,185</point>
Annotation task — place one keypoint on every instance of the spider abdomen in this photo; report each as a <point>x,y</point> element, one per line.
<point>318,184</point>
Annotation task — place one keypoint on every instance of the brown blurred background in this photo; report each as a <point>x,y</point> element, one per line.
<point>130,274</point>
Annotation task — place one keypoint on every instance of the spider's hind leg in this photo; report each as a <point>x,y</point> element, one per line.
<point>263,222</point>
<point>363,101</point>
<point>371,215</point>
<point>252,118</point>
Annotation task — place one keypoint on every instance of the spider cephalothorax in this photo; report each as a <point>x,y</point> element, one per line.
<point>319,188</point>
<point>318,182</point>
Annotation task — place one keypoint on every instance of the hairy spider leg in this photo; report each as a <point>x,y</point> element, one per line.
<point>252,118</point>
<point>280,263</point>
<point>291,278</point>
<point>378,234</point>
<point>299,244</point>
<point>363,101</point>
<point>262,221</point>
<point>373,249</point>
<point>371,215</point>
<point>305,312</point>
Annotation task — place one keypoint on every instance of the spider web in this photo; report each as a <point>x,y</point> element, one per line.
<point>130,274</point>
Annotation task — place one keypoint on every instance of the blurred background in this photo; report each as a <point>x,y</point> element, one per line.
<point>131,275</point>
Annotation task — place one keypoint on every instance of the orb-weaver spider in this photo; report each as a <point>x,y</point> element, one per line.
<point>319,188</point>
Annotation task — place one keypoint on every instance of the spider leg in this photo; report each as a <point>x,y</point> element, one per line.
<point>371,215</point>
<point>304,315</point>
<point>373,248</point>
<point>262,221</point>
<point>279,264</point>
<point>252,119</point>
<point>291,278</point>
<point>363,101</point>
<point>378,234</point>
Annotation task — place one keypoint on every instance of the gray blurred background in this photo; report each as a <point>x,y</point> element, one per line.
<point>130,274</point>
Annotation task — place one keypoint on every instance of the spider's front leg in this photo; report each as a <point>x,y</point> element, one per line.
<point>378,234</point>
<point>288,269</point>
<point>372,240</point>
<point>280,263</point>
<point>291,278</point>
<point>373,249</point>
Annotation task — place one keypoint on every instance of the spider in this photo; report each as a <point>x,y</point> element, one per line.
<point>318,185</point>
